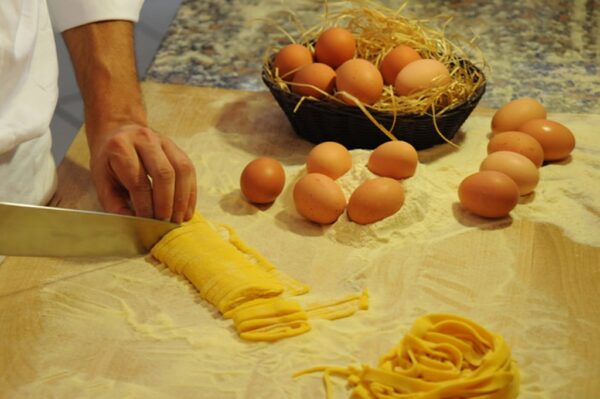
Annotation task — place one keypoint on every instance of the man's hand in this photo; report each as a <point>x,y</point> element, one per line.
<point>135,170</point>
<point>133,167</point>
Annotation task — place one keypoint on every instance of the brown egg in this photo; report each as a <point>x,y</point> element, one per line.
<point>515,113</point>
<point>516,166</point>
<point>262,180</point>
<point>335,46</point>
<point>489,194</point>
<point>375,200</point>
<point>329,158</point>
<point>556,139</point>
<point>361,79</point>
<point>321,76</point>
<point>291,58</point>
<point>421,75</point>
<point>395,159</point>
<point>519,142</point>
<point>318,198</point>
<point>395,60</point>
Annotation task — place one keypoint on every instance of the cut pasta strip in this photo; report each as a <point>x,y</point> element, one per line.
<point>290,284</point>
<point>276,311</point>
<point>277,331</point>
<point>340,308</point>
<point>271,308</point>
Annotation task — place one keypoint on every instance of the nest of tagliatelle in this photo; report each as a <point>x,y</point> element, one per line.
<point>424,118</point>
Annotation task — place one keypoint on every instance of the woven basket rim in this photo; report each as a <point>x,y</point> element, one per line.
<point>352,110</point>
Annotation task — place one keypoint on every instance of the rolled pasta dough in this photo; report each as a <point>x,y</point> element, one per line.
<point>243,284</point>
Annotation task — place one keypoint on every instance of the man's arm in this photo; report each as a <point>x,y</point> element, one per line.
<point>129,162</point>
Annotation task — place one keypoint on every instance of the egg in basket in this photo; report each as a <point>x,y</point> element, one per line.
<point>368,75</point>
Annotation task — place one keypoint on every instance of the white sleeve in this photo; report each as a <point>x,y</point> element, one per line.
<point>66,14</point>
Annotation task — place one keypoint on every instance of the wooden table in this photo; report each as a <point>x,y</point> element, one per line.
<point>546,265</point>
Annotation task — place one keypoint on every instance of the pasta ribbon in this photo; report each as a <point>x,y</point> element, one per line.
<point>223,275</point>
<point>442,357</point>
<point>243,284</point>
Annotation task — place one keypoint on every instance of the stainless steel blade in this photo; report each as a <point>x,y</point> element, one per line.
<point>28,230</point>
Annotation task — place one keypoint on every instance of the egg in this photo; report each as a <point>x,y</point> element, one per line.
<point>395,159</point>
<point>290,58</point>
<point>329,158</point>
<point>395,60</point>
<point>322,76</point>
<point>361,79</point>
<point>555,138</point>
<point>375,199</point>
<point>421,75</point>
<point>335,46</point>
<point>262,180</point>
<point>489,194</point>
<point>319,198</point>
<point>515,113</point>
<point>519,142</point>
<point>516,166</point>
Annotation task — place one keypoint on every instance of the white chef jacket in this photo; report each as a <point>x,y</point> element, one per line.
<point>29,86</point>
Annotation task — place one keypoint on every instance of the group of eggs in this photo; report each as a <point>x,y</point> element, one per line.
<point>522,140</point>
<point>317,195</point>
<point>334,68</point>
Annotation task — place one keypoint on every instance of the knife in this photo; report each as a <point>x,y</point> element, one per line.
<point>29,230</point>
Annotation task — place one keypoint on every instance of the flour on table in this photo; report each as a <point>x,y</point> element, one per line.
<point>564,196</point>
<point>133,328</point>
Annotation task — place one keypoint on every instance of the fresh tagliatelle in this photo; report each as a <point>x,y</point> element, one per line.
<point>442,356</point>
<point>243,284</point>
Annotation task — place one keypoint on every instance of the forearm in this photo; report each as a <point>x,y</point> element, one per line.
<point>103,57</point>
<point>130,164</point>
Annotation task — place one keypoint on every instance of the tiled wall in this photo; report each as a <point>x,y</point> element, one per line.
<point>154,20</point>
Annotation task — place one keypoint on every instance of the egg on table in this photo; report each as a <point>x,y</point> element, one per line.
<point>555,138</point>
<point>515,113</point>
<point>489,194</point>
<point>396,159</point>
<point>375,199</point>
<point>516,166</point>
<point>421,75</point>
<point>329,158</point>
<point>319,198</point>
<point>361,79</point>
<point>520,142</point>
<point>262,180</point>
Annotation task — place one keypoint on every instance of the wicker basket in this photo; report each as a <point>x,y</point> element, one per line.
<point>319,121</point>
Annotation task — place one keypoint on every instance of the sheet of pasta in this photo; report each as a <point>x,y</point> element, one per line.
<point>133,328</point>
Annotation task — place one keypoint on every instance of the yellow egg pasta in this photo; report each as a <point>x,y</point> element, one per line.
<point>222,274</point>
<point>340,308</point>
<point>243,284</point>
<point>442,357</point>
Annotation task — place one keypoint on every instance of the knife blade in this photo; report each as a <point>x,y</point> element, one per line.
<point>29,230</point>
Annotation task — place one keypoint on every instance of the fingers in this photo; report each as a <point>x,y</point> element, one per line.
<point>184,200</point>
<point>191,204</point>
<point>159,168</point>
<point>113,197</point>
<point>130,172</point>
<point>156,175</point>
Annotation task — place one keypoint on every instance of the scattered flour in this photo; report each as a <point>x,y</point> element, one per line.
<point>566,195</point>
<point>134,329</point>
